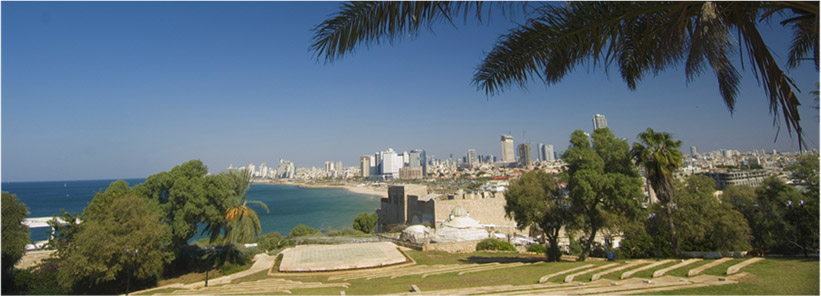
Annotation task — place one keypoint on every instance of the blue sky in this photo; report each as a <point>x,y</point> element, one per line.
<point>98,90</point>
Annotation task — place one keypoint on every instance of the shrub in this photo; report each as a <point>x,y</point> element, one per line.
<point>493,244</point>
<point>302,230</point>
<point>537,248</point>
<point>365,222</point>
<point>40,280</point>
<point>271,241</point>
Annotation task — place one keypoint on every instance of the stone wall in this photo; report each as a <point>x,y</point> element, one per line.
<point>451,247</point>
<point>410,204</point>
<point>488,210</point>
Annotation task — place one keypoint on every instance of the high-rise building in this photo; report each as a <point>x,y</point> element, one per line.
<point>418,159</point>
<point>525,156</point>
<point>546,152</point>
<point>599,121</point>
<point>471,157</point>
<point>365,166</point>
<point>508,154</point>
<point>693,151</point>
<point>391,162</point>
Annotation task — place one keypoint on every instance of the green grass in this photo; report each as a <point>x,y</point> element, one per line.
<point>772,276</point>
<point>160,291</point>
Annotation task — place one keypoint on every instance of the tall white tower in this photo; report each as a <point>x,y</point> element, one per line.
<point>599,121</point>
<point>508,154</point>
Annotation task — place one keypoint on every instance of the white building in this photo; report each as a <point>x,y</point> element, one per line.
<point>599,121</point>
<point>508,154</point>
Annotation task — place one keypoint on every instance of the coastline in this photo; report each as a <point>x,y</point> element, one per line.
<point>363,189</point>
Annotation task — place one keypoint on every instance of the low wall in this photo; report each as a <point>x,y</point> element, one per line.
<point>451,247</point>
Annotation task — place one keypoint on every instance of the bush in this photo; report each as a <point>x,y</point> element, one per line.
<point>271,241</point>
<point>493,244</point>
<point>302,230</point>
<point>537,248</point>
<point>40,280</point>
<point>365,222</point>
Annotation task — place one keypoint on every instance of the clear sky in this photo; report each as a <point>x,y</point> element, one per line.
<point>99,90</point>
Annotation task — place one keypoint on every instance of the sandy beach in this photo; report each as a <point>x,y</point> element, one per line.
<point>381,191</point>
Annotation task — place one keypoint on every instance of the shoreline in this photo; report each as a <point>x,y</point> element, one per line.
<point>362,189</point>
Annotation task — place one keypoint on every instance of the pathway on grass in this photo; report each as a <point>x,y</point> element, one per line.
<point>261,262</point>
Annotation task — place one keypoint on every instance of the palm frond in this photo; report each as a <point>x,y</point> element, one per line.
<point>261,204</point>
<point>373,22</point>
<point>775,82</point>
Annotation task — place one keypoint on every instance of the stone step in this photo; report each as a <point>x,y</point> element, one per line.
<point>736,268</point>
<point>620,268</point>
<point>629,273</point>
<point>662,271</point>
<point>697,270</point>
<point>547,277</point>
<point>570,278</point>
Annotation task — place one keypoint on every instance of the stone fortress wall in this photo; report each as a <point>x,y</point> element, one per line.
<point>411,204</point>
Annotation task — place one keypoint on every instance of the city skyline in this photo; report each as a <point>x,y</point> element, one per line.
<point>100,90</point>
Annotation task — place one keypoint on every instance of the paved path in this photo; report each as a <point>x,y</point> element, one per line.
<point>261,262</point>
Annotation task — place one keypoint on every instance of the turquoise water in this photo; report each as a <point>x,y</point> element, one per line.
<point>290,205</point>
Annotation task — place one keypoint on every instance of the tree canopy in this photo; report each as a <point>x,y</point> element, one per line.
<point>15,235</point>
<point>537,198</point>
<point>120,237</point>
<point>602,182</point>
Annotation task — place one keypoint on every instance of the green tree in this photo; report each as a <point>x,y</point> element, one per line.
<point>302,230</point>
<point>603,183</point>
<point>242,222</point>
<point>15,236</point>
<point>660,156</point>
<point>117,242</point>
<point>805,171</point>
<point>365,222</point>
<point>537,198</point>
<point>704,222</point>
<point>767,219</point>
<point>783,220</point>
<point>185,196</point>
<point>639,37</point>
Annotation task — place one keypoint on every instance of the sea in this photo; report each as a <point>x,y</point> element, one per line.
<point>321,208</point>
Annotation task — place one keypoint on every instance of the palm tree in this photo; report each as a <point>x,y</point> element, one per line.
<point>639,37</point>
<point>241,222</point>
<point>661,157</point>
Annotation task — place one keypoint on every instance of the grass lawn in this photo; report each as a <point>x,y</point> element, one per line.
<point>772,276</point>
<point>782,276</point>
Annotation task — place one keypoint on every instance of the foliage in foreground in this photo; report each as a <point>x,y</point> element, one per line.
<point>640,38</point>
<point>15,236</point>
<point>119,239</point>
<point>536,198</point>
<point>603,185</point>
